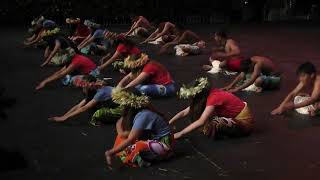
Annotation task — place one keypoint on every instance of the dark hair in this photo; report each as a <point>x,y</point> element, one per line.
<point>129,113</point>
<point>306,68</point>
<point>198,104</point>
<point>246,65</point>
<point>222,33</point>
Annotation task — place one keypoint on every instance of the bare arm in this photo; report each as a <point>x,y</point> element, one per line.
<point>56,76</point>
<point>288,100</point>
<point>256,73</point>
<point>134,26</point>
<point>138,80</point>
<point>180,115</point>
<point>207,113</point>
<point>151,36</point>
<point>82,103</point>
<point>124,81</point>
<point>163,32</point>
<point>46,52</point>
<point>120,131</point>
<point>115,57</point>
<point>86,42</point>
<point>133,136</point>
<point>235,81</point>
<point>314,96</point>
<point>53,53</point>
<point>76,110</point>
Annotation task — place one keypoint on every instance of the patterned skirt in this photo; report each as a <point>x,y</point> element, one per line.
<point>220,127</point>
<point>142,153</point>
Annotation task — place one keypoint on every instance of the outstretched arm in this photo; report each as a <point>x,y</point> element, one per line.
<point>56,76</point>
<point>138,80</point>
<point>134,26</point>
<point>77,111</point>
<point>53,53</point>
<point>86,42</point>
<point>235,81</point>
<point>151,36</point>
<point>207,113</point>
<point>256,73</point>
<point>163,32</point>
<point>180,115</point>
<point>124,81</point>
<point>115,56</point>
<point>287,103</point>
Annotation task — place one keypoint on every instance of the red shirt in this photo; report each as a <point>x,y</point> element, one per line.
<point>82,30</point>
<point>83,64</point>
<point>225,104</point>
<point>158,73</point>
<point>126,51</point>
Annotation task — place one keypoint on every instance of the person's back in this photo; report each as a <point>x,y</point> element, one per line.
<point>230,46</point>
<point>82,63</point>
<point>268,67</point>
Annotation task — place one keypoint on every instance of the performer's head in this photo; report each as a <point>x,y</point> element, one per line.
<point>246,65</point>
<point>220,35</point>
<point>197,91</point>
<point>306,72</point>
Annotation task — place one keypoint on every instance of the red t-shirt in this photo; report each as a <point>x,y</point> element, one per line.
<point>225,104</point>
<point>126,51</point>
<point>82,30</point>
<point>83,64</point>
<point>158,73</point>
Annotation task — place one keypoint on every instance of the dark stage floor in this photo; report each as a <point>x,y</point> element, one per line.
<point>282,147</point>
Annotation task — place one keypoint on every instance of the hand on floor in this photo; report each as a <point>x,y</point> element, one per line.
<point>57,118</point>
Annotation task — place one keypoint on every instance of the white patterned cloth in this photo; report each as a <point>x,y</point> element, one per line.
<point>192,48</point>
<point>216,68</point>
<point>304,110</point>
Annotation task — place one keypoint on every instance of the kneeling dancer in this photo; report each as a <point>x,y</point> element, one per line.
<point>221,114</point>
<point>143,133</point>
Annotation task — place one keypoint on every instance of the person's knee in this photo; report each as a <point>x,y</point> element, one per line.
<point>144,89</point>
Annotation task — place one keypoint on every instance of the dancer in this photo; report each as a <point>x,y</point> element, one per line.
<point>58,47</point>
<point>45,25</point>
<point>257,73</point>
<point>188,41</point>
<point>95,42</point>
<point>297,99</point>
<point>35,29</point>
<point>165,32</point>
<point>75,64</point>
<point>227,54</point>
<point>148,76</point>
<point>219,113</point>
<point>97,101</point>
<point>143,133</point>
<point>78,30</point>
<point>140,27</point>
<point>125,48</point>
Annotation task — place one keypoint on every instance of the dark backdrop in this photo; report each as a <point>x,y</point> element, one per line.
<point>119,11</point>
